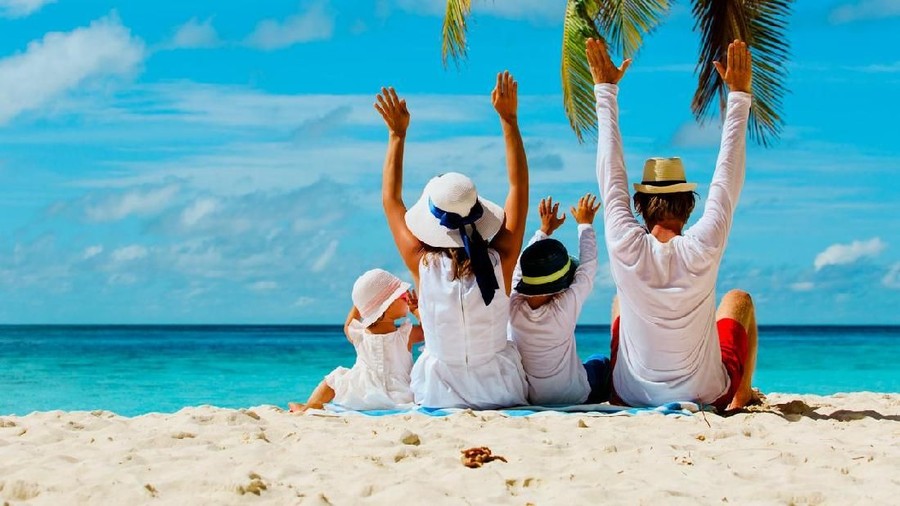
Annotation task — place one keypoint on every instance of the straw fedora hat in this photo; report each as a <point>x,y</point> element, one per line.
<point>664,175</point>
<point>453,193</point>
<point>374,292</point>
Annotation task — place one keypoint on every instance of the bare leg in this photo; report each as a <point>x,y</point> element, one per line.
<point>613,351</point>
<point>322,394</point>
<point>738,306</point>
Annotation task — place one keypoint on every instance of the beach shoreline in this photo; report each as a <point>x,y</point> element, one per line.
<point>795,449</point>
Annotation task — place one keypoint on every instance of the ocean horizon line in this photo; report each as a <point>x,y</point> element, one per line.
<point>332,326</point>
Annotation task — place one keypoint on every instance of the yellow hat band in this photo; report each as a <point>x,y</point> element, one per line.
<point>549,278</point>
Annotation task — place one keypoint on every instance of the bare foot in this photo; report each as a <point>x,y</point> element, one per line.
<point>296,407</point>
<point>745,398</point>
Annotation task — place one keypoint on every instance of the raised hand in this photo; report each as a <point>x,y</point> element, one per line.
<point>412,300</point>
<point>505,97</point>
<point>738,69</point>
<point>603,70</point>
<point>393,109</point>
<point>549,220</point>
<point>586,210</point>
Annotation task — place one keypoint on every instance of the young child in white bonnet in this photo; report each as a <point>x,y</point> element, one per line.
<point>380,377</point>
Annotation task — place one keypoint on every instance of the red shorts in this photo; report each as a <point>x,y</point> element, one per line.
<point>735,347</point>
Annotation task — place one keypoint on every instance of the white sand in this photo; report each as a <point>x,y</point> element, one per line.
<point>845,449</point>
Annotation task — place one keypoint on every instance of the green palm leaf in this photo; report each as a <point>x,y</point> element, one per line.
<point>454,33</point>
<point>762,23</point>
<point>625,22</point>
<point>577,83</point>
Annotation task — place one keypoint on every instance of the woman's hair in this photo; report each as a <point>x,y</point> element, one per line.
<point>657,207</point>
<point>461,264</point>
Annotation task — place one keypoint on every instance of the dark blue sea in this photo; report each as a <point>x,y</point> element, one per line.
<point>139,369</point>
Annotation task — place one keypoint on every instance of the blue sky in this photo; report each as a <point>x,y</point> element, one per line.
<point>211,162</point>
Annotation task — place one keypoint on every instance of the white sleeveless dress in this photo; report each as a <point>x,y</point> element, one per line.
<point>468,360</point>
<point>380,377</point>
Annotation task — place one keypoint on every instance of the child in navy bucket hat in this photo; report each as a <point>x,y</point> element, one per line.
<point>549,289</point>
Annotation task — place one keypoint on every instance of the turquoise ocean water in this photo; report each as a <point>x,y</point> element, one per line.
<point>139,369</point>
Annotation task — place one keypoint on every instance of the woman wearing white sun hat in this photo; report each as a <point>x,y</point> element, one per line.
<point>461,250</point>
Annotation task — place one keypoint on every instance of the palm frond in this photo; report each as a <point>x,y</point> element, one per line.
<point>762,24</point>
<point>625,22</point>
<point>453,46</point>
<point>771,52</point>
<point>577,83</point>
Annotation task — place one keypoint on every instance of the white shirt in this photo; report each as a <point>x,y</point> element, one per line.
<point>467,361</point>
<point>668,343</point>
<point>545,336</point>
<point>380,377</point>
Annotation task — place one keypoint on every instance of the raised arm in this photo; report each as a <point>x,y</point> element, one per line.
<point>416,334</point>
<point>619,222</point>
<point>725,189</point>
<point>353,315</point>
<point>549,223</point>
<point>583,284</point>
<point>508,241</point>
<point>396,117</point>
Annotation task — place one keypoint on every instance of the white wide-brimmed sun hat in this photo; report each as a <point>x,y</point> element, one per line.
<point>664,175</point>
<point>451,193</point>
<point>374,292</point>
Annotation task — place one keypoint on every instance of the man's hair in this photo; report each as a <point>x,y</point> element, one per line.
<point>657,207</point>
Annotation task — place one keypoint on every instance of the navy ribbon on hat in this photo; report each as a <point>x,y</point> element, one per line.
<point>475,245</point>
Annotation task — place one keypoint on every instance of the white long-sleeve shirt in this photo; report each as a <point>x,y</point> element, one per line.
<point>668,342</point>
<point>545,336</point>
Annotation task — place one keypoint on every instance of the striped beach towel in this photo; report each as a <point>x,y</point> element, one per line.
<point>670,409</point>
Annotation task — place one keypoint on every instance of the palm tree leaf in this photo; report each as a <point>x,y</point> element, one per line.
<point>454,33</point>
<point>762,24</point>
<point>577,83</point>
<point>625,22</point>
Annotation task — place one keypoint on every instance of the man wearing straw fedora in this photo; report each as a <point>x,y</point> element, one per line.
<point>669,341</point>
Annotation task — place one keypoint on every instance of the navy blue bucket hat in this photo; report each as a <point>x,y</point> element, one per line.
<point>546,267</point>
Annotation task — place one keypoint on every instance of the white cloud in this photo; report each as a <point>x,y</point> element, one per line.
<point>129,253</point>
<point>322,262</point>
<point>264,286</point>
<point>316,23</point>
<point>92,251</point>
<point>830,68</point>
<point>21,8</point>
<point>225,107</point>
<point>304,301</point>
<point>198,210</point>
<point>694,135</point>
<point>843,254</point>
<point>803,286</point>
<point>307,129</point>
<point>864,10</point>
<point>879,68</point>
<point>141,201</point>
<point>61,61</point>
<point>317,127</point>
<point>122,278</point>
<point>194,35</point>
<point>892,278</point>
